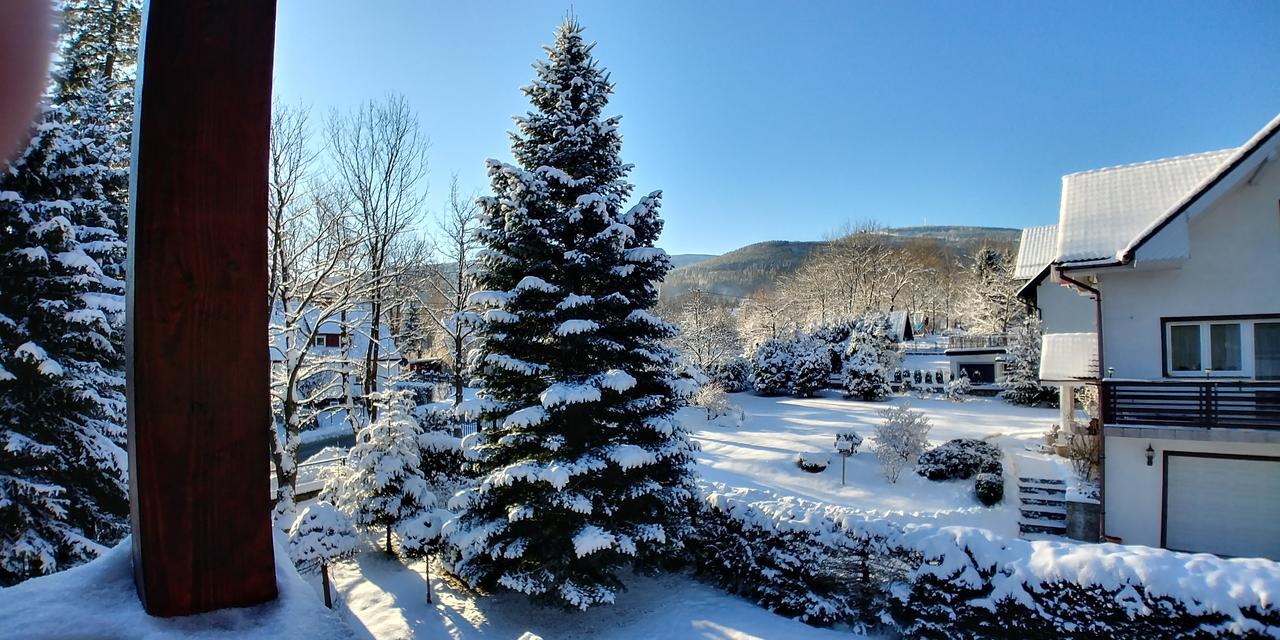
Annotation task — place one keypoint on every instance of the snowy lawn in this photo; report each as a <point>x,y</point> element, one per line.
<point>384,597</point>
<point>761,455</point>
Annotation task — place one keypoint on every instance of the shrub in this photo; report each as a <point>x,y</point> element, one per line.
<point>900,439</point>
<point>864,377</point>
<point>812,367</point>
<point>715,402</point>
<point>320,536</point>
<point>960,459</point>
<point>958,388</point>
<point>989,488</point>
<point>772,366</point>
<point>813,462</point>
<point>734,374</point>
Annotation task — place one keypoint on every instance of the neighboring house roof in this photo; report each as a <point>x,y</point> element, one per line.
<point>900,328</point>
<point>1037,248</point>
<point>1103,210</point>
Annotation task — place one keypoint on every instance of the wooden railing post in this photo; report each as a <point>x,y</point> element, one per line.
<point>197,364</point>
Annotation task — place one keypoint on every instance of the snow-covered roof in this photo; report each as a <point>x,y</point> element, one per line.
<point>900,326</point>
<point>1037,248</point>
<point>1103,210</point>
<point>1066,357</point>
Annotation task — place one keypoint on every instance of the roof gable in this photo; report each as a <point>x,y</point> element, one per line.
<point>1103,210</point>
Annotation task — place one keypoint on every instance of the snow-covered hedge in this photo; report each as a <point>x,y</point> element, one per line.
<point>813,461</point>
<point>826,564</point>
<point>960,459</point>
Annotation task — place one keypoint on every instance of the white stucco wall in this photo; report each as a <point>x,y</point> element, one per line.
<point>1233,269</point>
<point>1062,310</point>
<point>1134,491</point>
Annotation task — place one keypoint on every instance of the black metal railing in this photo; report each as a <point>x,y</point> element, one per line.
<point>1192,403</point>
<point>990,341</point>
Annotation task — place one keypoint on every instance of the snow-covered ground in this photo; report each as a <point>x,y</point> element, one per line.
<point>385,598</point>
<point>761,455</point>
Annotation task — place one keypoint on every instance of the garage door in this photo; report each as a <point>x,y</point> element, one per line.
<point>1227,506</point>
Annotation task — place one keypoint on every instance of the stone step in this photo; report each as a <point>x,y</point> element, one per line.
<point>1048,500</point>
<point>1041,481</point>
<point>1041,490</point>
<point>1042,526</point>
<point>1043,513</point>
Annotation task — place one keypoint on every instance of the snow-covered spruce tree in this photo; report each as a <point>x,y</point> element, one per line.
<point>866,375</point>
<point>320,535</point>
<point>584,470</point>
<point>811,360</point>
<point>734,374</point>
<point>382,483</point>
<point>1022,380</point>
<point>63,494</point>
<point>772,367</point>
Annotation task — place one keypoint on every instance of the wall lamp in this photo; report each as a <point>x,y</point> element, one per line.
<point>1151,454</point>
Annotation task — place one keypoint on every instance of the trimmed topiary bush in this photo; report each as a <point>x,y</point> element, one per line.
<point>960,459</point>
<point>989,488</point>
<point>813,461</point>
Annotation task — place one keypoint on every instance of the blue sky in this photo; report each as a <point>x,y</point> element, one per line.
<point>782,120</point>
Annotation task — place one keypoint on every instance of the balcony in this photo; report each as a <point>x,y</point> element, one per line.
<point>1206,404</point>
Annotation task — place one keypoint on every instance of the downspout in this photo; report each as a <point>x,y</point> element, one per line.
<point>1102,402</point>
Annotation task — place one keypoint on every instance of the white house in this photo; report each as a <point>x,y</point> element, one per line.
<point>344,334</point>
<point>1176,263</point>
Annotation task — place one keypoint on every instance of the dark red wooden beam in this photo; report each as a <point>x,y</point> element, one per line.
<point>197,317</point>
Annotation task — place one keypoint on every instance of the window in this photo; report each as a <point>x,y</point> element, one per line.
<point>1184,346</point>
<point>1224,347</point>
<point>328,340</point>
<point>1246,347</point>
<point>1266,350</point>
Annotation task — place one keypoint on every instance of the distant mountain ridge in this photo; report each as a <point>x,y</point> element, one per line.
<point>747,269</point>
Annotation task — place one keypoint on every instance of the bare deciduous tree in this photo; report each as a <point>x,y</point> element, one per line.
<point>451,280</point>
<point>379,157</point>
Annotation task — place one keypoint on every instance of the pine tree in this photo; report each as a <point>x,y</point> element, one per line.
<point>584,471</point>
<point>868,363</point>
<point>382,483</point>
<point>812,367</point>
<point>63,495</point>
<point>1022,380</point>
<point>100,40</point>
<point>773,367</point>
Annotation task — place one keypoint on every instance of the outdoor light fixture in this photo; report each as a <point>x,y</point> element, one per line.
<point>1151,454</point>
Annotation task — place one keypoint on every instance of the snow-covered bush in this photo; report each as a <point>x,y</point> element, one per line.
<point>867,366</point>
<point>958,388</point>
<point>989,488</point>
<point>813,461</point>
<point>960,459</point>
<point>382,482</point>
<point>715,402</point>
<point>828,564</point>
<point>442,461</point>
<point>787,570</point>
<point>734,374</point>
<point>772,367</point>
<point>420,537</point>
<point>900,439</point>
<point>320,535</point>
<point>811,362</point>
<point>1022,378</point>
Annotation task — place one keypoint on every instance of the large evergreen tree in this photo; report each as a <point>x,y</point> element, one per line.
<point>63,495</point>
<point>99,40</point>
<point>584,470</point>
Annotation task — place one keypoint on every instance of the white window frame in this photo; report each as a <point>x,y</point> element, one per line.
<point>1247,352</point>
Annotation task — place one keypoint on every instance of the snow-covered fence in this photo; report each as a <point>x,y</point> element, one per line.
<point>826,564</point>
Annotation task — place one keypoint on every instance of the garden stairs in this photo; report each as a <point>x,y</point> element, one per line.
<point>1042,506</point>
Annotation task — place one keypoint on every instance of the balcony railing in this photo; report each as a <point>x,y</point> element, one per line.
<point>1192,403</point>
<point>991,341</point>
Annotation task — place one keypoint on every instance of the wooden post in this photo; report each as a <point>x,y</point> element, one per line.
<point>197,317</point>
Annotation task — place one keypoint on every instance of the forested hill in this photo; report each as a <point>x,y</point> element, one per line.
<point>759,265</point>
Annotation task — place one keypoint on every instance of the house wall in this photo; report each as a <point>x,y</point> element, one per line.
<point>1134,493</point>
<point>1232,270</point>
<point>1062,310</point>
